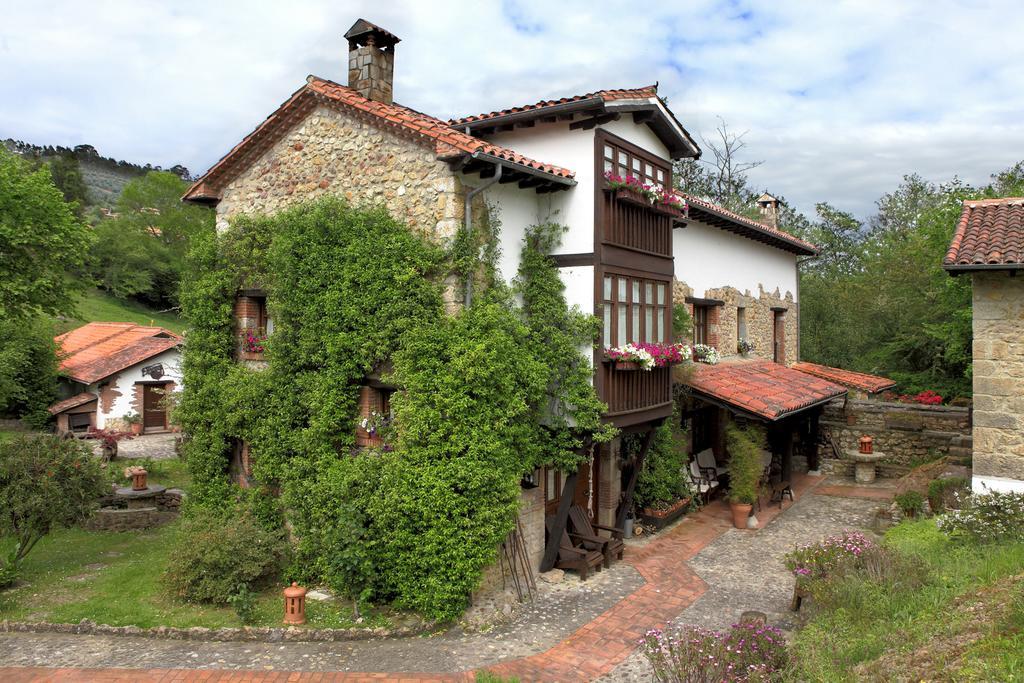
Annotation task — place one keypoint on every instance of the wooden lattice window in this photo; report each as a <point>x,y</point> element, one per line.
<point>634,310</point>
<point>700,324</point>
<point>627,162</point>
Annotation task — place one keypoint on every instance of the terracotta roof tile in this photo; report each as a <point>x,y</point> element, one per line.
<point>73,402</point>
<point>447,140</point>
<point>849,378</point>
<point>766,389</point>
<point>603,95</point>
<point>762,228</point>
<point>990,233</point>
<point>97,350</point>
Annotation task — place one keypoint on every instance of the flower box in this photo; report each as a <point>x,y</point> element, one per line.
<point>659,519</point>
<point>673,210</point>
<point>630,196</point>
<point>625,365</point>
<point>250,355</point>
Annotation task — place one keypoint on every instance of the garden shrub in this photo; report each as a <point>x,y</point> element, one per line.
<point>745,653</point>
<point>947,492</point>
<point>663,479</point>
<point>744,445</point>
<point>910,503</point>
<point>987,518</point>
<point>45,482</point>
<point>214,555</point>
<point>817,560</point>
<point>28,370</point>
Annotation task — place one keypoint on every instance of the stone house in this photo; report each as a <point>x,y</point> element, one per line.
<point>988,246</point>
<point>112,370</point>
<point>628,262</point>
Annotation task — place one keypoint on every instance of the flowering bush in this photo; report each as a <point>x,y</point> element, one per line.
<point>702,353</point>
<point>815,561</point>
<point>374,422</point>
<point>649,355</point>
<point>745,653</point>
<point>252,340</point>
<point>744,346</point>
<point>987,518</point>
<point>652,193</point>
<point>925,398</point>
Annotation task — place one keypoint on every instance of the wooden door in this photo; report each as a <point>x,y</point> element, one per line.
<point>780,337</point>
<point>154,414</point>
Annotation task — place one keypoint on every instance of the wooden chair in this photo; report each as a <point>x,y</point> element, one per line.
<point>705,481</point>
<point>572,557</point>
<point>611,547</point>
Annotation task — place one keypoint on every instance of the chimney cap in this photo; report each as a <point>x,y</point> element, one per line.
<point>767,199</point>
<point>362,30</point>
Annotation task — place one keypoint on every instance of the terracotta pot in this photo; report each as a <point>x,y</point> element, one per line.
<point>740,512</point>
<point>136,428</point>
<point>139,481</point>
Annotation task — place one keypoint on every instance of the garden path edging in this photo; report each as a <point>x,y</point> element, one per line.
<point>242,634</point>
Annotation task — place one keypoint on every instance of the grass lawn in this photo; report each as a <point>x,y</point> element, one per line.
<point>963,621</point>
<point>97,306</point>
<point>114,578</point>
<point>172,473</point>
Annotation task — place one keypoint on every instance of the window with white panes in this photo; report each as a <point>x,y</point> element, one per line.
<point>634,310</point>
<point>624,163</point>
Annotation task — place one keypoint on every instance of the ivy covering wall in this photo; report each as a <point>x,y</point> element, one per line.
<point>485,395</point>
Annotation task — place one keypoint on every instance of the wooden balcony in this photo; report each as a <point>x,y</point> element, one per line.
<point>635,225</point>
<point>635,396</point>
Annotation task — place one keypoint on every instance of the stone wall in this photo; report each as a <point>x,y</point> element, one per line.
<point>335,153</point>
<point>759,318</point>
<point>906,433</point>
<point>999,380</point>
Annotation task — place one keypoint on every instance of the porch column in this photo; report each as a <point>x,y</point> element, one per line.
<point>787,454</point>
<point>813,457</point>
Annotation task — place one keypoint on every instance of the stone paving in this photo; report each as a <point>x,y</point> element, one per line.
<point>698,571</point>
<point>155,446</point>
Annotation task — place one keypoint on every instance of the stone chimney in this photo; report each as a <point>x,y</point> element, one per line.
<point>769,207</point>
<point>371,61</point>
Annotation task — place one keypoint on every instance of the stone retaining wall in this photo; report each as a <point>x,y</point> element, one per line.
<point>114,516</point>
<point>905,432</point>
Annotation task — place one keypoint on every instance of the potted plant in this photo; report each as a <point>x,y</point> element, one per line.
<point>703,353</point>
<point>744,468</point>
<point>137,474</point>
<point>134,421</point>
<point>108,441</point>
<point>744,347</point>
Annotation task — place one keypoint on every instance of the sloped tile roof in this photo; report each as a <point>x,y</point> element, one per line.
<point>990,234</point>
<point>761,387</point>
<point>447,141</point>
<point>98,350</point>
<point>73,402</point>
<point>773,235</point>
<point>872,384</point>
<point>644,92</point>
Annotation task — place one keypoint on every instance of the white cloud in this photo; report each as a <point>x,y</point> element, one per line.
<point>841,99</point>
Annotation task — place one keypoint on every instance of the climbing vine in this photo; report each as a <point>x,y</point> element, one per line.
<point>485,395</point>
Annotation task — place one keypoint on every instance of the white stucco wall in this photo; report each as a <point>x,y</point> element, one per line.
<point>554,143</point>
<point>640,135</point>
<point>708,257</point>
<point>125,385</point>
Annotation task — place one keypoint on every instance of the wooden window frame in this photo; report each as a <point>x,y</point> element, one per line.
<point>642,296</point>
<point>627,157</point>
<point>701,315</point>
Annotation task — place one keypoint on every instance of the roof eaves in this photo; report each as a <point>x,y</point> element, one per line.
<point>802,248</point>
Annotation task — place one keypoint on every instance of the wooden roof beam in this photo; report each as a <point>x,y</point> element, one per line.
<point>593,121</point>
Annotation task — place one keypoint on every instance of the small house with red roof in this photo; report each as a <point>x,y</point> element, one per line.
<point>988,246</point>
<point>629,256</point>
<point>113,371</point>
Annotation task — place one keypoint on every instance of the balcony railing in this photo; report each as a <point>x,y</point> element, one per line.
<point>636,224</point>
<point>628,392</point>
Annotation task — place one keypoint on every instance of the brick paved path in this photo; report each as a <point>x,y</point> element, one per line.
<point>590,652</point>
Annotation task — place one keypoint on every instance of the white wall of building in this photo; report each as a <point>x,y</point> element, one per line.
<point>125,381</point>
<point>707,257</point>
<point>640,135</point>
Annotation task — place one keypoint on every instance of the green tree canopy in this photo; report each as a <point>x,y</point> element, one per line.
<point>41,242</point>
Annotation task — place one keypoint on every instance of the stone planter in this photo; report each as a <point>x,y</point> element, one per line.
<point>864,465</point>
<point>136,428</point>
<point>659,519</point>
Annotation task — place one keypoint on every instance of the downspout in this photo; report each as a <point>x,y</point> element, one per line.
<point>469,224</point>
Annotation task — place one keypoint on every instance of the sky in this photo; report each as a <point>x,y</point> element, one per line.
<point>838,99</point>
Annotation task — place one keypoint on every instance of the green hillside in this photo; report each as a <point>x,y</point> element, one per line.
<point>97,306</point>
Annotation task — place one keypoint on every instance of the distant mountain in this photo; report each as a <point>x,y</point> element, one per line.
<point>104,177</point>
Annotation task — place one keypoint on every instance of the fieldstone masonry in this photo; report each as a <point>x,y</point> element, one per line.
<point>903,432</point>
<point>998,376</point>
<point>759,318</point>
<point>335,153</point>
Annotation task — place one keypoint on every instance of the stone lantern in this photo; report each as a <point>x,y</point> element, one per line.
<point>294,604</point>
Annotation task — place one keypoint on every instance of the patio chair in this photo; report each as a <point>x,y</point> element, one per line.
<point>705,481</point>
<point>611,547</point>
<point>706,461</point>
<point>574,557</point>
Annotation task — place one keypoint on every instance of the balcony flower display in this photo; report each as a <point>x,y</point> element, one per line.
<point>649,356</point>
<point>633,185</point>
<point>702,353</point>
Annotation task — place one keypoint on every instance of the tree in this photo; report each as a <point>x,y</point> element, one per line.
<point>141,252</point>
<point>45,482</point>
<point>67,176</point>
<point>41,241</point>
<point>722,175</point>
<point>28,369</point>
